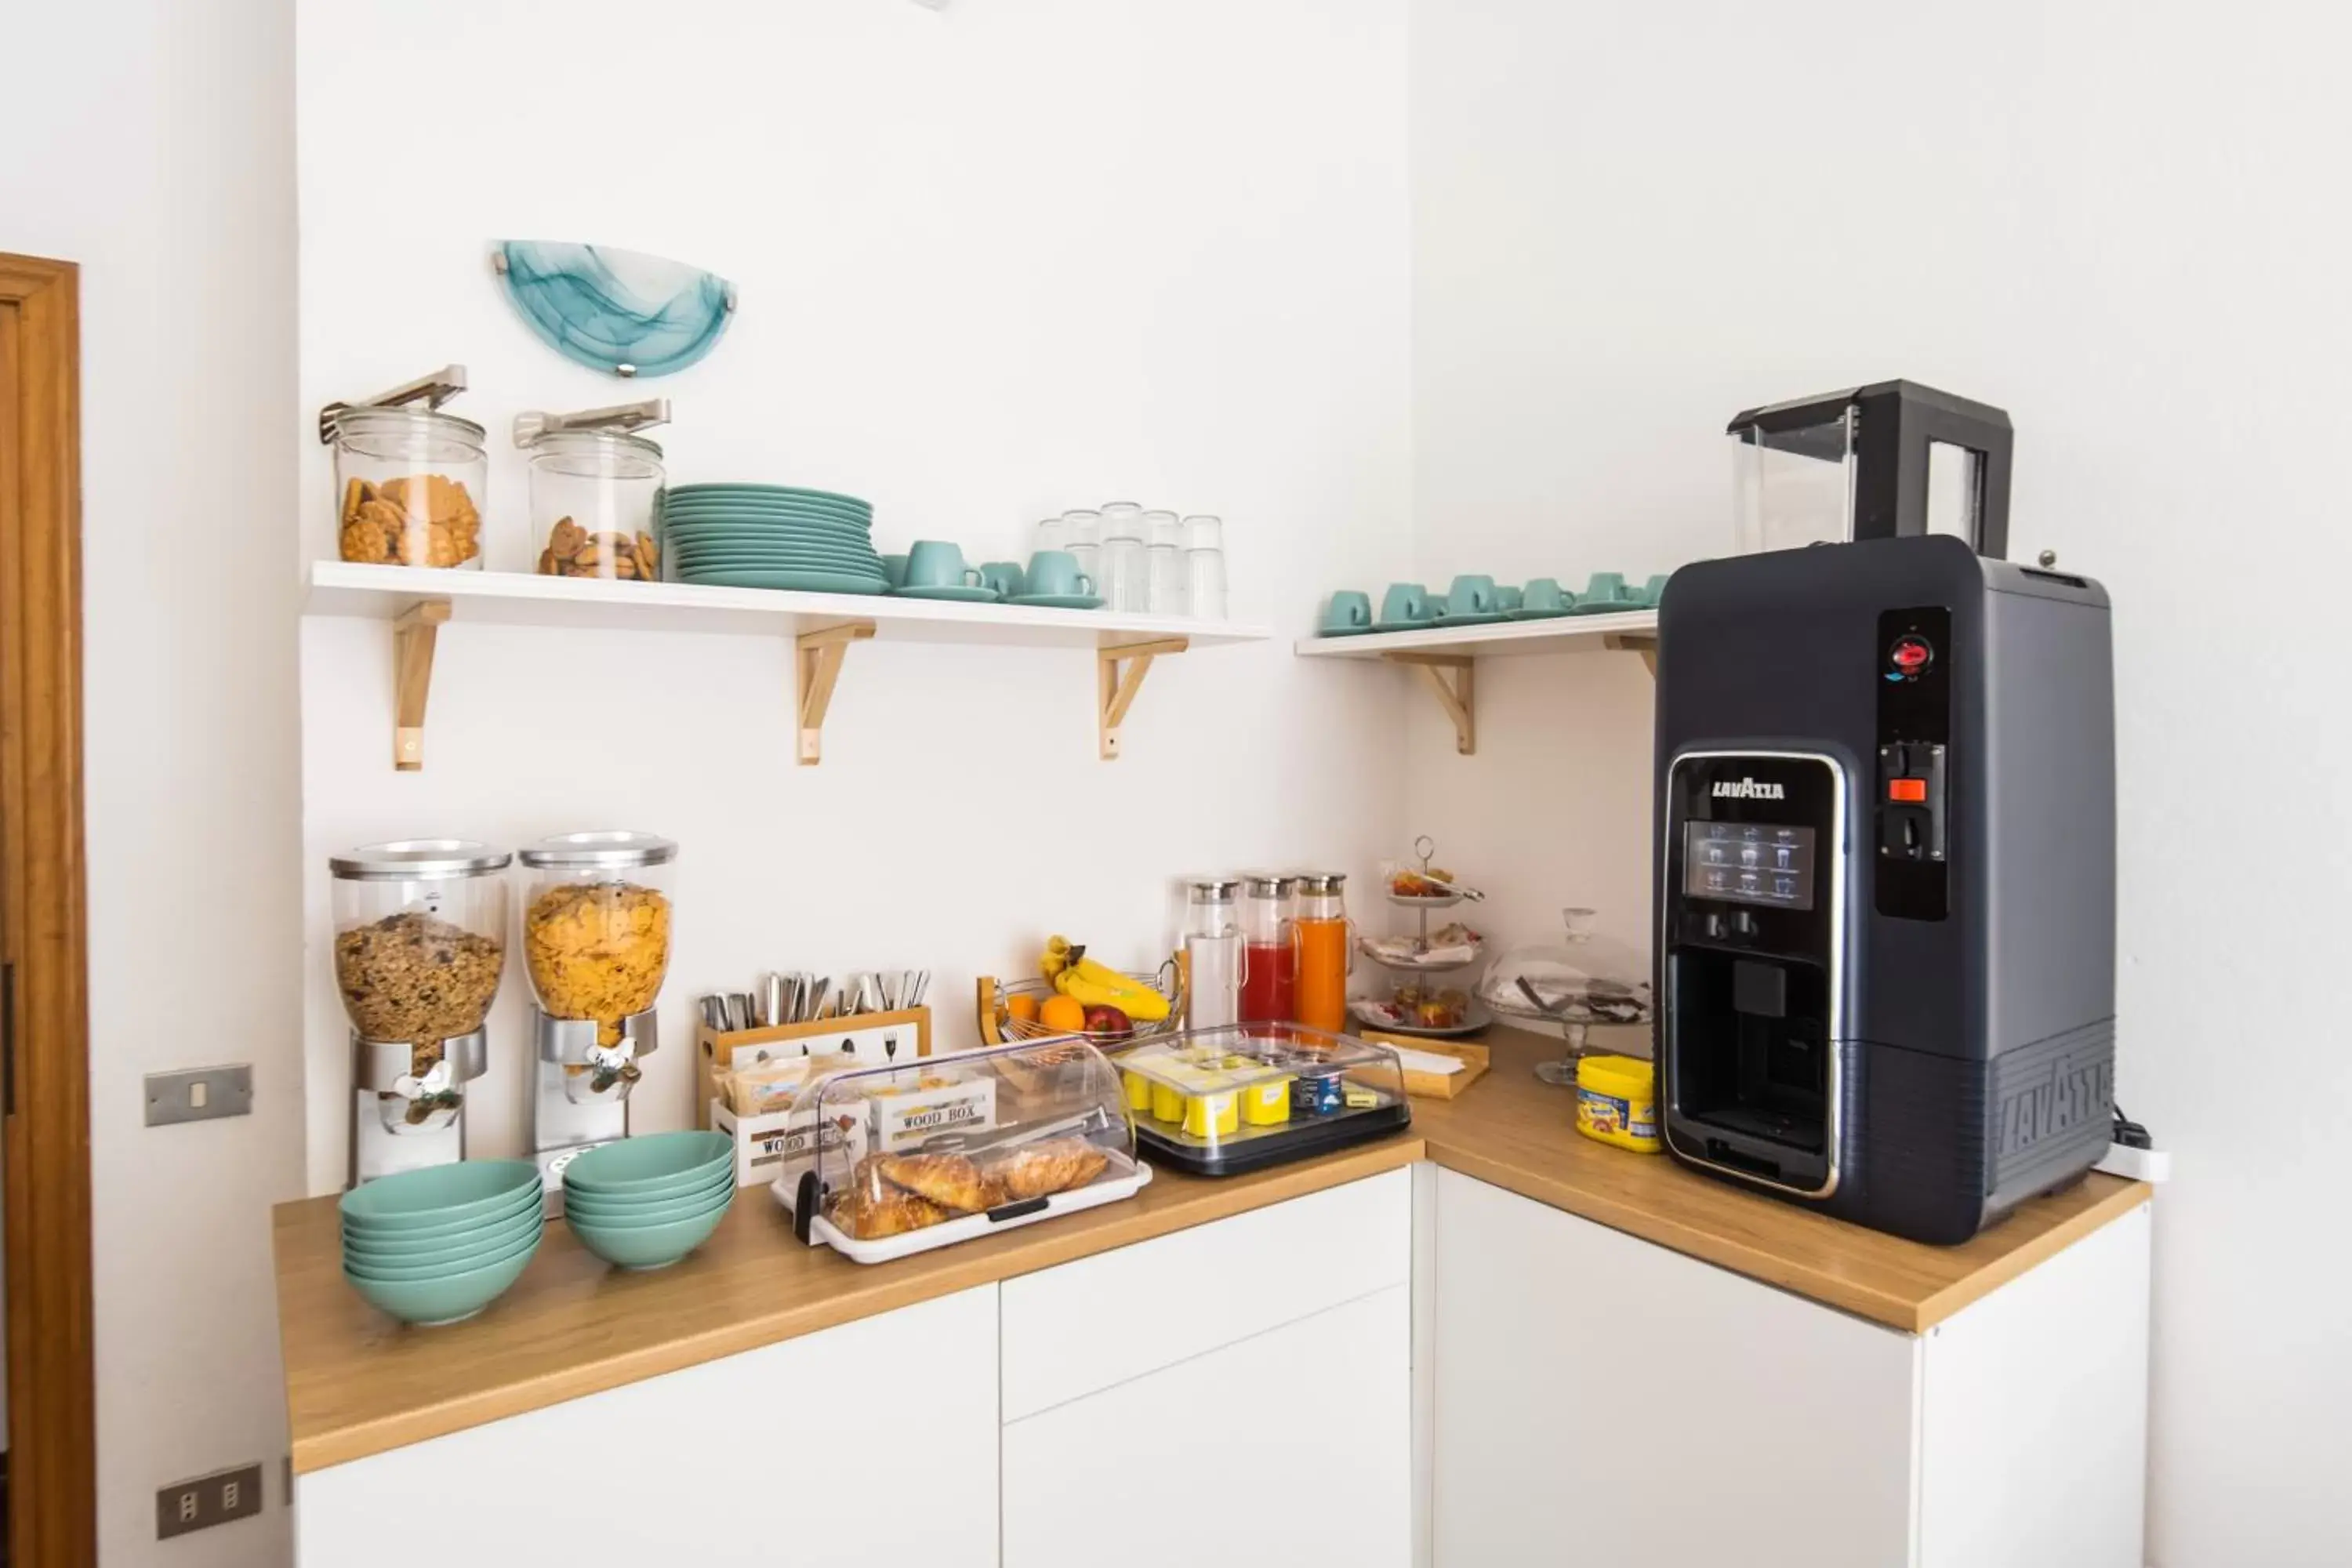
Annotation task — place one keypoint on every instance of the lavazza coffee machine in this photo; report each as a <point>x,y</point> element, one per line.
<point>1885,879</point>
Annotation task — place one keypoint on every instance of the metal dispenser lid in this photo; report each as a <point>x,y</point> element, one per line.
<point>1322,881</point>
<point>1270,884</point>
<point>418,860</point>
<point>605,850</point>
<point>1213,889</point>
<point>393,407</point>
<point>608,426</point>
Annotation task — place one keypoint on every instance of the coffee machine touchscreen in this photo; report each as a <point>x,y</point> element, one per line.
<point>1749,863</point>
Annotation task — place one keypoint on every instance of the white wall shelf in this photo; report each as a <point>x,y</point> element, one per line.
<point>417,601</point>
<point>1448,658</point>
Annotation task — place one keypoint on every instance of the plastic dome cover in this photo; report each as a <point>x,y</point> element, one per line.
<point>1585,978</point>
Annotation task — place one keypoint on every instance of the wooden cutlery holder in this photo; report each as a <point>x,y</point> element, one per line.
<point>875,1038</point>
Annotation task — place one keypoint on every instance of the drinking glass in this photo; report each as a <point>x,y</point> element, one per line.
<point>1203,531</point>
<point>1053,534</point>
<point>1204,571</point>
<point>1123,581</point>
<point>1083,530</point>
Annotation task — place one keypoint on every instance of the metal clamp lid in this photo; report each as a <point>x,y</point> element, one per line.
<point>1322,881</point>
<point>1270,884</point>
<point>619,421</point>
<point>604,850</point>
<point>417,859</point>
<point>1214,890</point>
<point>435,389</point>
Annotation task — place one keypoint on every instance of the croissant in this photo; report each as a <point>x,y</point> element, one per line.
<point>870,1215</point>
<point>950,1181</point>
<point>1055,1166</point>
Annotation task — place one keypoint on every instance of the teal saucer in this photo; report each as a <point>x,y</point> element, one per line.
<point>1487,619</point>
<point>1343,631</point>
<point>1420,625</point>
<point>960,593</point>
<point>1523,613</point>
<point>1608,607</point>
<point>1056,601</point>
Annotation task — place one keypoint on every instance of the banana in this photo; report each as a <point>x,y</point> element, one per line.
<point>1083,979</point>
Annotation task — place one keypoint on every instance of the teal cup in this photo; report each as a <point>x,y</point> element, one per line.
<point>1403,603</point>
<point>1472,595</point>
<point>1348,612</point>
<point>1057,571</point>
<point>894,568</point>
<point>1004,576</point>
<point>1607,588</point>
<point>1544,593</point>
<point>1506,599</point>
<point>1656,588</point>
<point>937,563</point>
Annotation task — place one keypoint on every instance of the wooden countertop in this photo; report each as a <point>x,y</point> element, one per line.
<point>359,1384</point>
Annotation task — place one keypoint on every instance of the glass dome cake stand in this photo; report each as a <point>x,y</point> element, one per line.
<point>1585,981</point>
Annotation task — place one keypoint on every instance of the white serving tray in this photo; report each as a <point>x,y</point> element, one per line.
<point>1109,1189</point>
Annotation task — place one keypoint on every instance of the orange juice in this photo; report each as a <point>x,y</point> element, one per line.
<point>1322,985</point>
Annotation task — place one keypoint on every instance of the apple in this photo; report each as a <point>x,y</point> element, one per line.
<point>1108,1022</point>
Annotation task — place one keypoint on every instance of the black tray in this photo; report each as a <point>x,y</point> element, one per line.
<point>1301,1138</point>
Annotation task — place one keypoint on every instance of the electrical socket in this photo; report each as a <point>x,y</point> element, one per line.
<point>207,1501</point>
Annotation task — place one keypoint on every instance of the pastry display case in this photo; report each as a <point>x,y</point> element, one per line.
<point>892,1159</point>
<point>1217,1102</point>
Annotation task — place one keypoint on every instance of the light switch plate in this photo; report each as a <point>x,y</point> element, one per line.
<point>199,1094</point>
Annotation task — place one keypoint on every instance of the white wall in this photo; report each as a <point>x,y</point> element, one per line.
<point>2117,221</point>
<point>153,143</point>
<point>1017,257</point>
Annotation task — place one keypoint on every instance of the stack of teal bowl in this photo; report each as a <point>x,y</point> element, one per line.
<point>645,1203</point>
<point>436,1246</point>
<point>770,536</point>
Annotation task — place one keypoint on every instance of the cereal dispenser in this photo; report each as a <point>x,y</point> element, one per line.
<point>420,944</point>
<point>595,943</point>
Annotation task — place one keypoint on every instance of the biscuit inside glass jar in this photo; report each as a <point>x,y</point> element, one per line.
<point>410,486</point>
<point>597,950</point>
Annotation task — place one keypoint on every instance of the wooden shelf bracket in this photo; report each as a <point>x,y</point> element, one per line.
<point>1618,642</point>
<point>818,667</point>
<point>413,634</point>
<point>1119,676</point>
<point>1455,678</point>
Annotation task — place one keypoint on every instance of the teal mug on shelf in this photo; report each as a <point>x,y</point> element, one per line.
<point>1544,593</point>
<point>894,569</point>
<point>1506,599</point>
<point>1607,588</point>
<point>937,563</point>
<point>1403,603</point>
<point>1004,576</point>
<point>1656,588</point>
<point>1473,594</point>
<point>1349,611</point>
<point>1055,572</point>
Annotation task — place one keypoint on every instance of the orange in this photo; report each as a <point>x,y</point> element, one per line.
<point>1021,1006</point>
<point>1063,1012</point>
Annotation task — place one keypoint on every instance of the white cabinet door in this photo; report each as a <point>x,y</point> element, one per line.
<point>1603,1403</point>
<point>872,1442</point>
<point>1290,1447</point>
<point>1190,1292</point>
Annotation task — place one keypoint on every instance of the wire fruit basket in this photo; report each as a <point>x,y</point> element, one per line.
<point>999,1025</point>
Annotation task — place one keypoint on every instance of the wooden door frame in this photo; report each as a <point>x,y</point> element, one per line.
<point>44,937</point>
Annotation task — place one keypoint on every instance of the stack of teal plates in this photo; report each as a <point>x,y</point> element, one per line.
<point>770,536</point>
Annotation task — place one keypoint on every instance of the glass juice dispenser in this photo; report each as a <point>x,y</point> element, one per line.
<point>1269,956</point>
<point>420,944</point>
<point>1212,952</point>
<point>595,943</point>
<point>1325,951</point>
<point>1884,461</point>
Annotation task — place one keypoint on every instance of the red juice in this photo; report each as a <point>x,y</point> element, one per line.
<point>1269,982</point>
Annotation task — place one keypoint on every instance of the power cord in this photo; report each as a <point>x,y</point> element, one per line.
<point>2132,1152</point>
<point>2130,1133</point>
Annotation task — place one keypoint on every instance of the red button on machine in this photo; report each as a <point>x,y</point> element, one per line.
<point>1912,791</point>
<point>1910,655</point>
